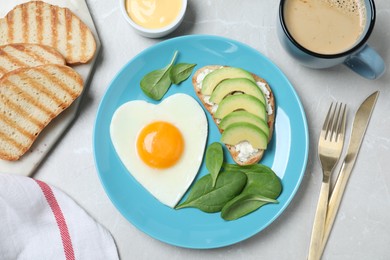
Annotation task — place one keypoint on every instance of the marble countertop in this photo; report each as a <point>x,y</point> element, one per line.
<point>361,230</point>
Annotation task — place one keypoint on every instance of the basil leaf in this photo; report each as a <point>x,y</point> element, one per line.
<point>208,199</point>
<point>156,83</point>
<point>243,205</point>
<point>181,72</point>
<point>214,160</point>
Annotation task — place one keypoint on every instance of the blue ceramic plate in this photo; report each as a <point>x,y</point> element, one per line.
<point>191,228</point>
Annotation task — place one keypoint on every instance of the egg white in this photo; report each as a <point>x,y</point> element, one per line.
<point>170,184</point>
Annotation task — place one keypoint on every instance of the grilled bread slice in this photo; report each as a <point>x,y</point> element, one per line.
<point>42,23</point>
<point>255,157</point>
<point>29,99</point>
<point>21,55</point>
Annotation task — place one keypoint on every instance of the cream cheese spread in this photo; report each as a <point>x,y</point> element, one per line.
<point>245,150</point>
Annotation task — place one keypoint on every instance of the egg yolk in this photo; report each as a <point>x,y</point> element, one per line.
<point>160,145</point>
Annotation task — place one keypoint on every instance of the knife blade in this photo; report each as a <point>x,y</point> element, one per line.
<point>359,127</point>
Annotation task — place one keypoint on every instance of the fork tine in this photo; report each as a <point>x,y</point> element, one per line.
<point>341,124</point>
<point>334,122</point>
<point>335,118</point>
<point>325,126</point>
<point>330,122</point>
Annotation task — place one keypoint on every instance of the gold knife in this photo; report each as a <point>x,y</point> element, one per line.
<point>359,127</point>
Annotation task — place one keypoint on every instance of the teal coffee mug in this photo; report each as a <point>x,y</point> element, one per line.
<point>325,33</point>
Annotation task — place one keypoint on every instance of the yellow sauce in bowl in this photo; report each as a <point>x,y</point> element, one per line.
<point>153,14</point>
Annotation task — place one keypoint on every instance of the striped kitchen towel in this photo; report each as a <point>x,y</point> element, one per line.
<point>39,221</point>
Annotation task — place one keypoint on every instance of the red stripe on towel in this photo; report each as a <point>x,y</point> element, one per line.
<point>61,223</point>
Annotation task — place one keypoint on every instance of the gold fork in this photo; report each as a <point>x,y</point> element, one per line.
<point>330,146</point>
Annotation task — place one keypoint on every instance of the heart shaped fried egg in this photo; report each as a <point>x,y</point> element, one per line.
<point>161,145</point>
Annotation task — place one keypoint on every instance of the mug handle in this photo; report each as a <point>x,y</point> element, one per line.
<point>366,62</point>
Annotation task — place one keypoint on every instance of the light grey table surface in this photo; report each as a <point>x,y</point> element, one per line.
<point>362,227</point>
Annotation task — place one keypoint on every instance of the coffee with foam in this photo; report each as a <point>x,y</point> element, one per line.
<point>325,26</point>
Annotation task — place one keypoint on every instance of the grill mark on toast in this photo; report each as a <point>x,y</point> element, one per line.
<point>16,46</point>
<point>13,106</point>
<point>25,25</point>
<point>62,33</point>
<point>39,19</point>
<point>54,23</point>
<point>32,100</point>
<point>44,90</point>
<point>18,146</point>
<point>12,124</point>
<point>55,55</point>
<point>47,25</point>
<point>33,54</point>
<point>83,41</point>
<point>70,73</point>
<point>10,24</point>
<point>59,83</point>
<point>14,60</point>
<point>68,29</point>
<point>2,71</point>
<point>29,99</point>
<point>18,55</point>
<point>75,91</point>
<point>29,52</point>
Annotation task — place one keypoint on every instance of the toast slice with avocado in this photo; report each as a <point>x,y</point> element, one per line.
<point>29,99</point>
<point>242,106</point>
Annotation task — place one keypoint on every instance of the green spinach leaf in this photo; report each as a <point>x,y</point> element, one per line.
<point>263,186</point>
<point>239,190</point>
<point>253,167</point>
<point>244,204</point>
<point>263,183</point>
<point>214,160</point>
<point>208,199</point>
<point>181,72</point>
<point>156,83</point>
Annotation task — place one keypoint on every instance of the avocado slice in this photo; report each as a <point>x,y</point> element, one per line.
<point>215,77</point>
<point>244,116</point>
<point>241,85</point>
<point>240,102</point>
<point>239,132</point>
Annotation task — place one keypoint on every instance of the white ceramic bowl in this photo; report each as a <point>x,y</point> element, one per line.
<point>154,33</point>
